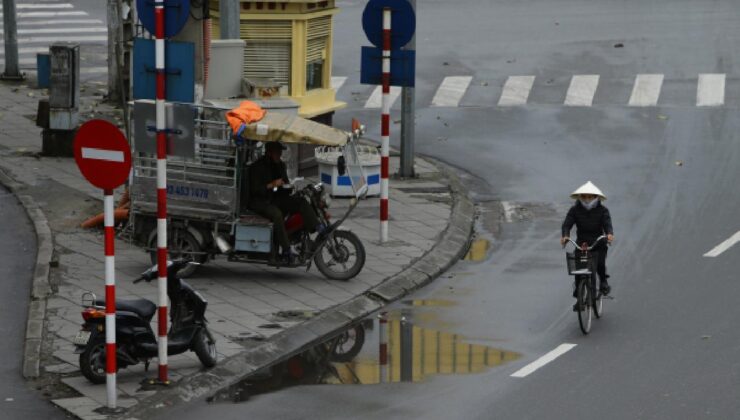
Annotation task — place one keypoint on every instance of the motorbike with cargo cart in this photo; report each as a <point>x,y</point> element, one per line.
<point>208,197</point>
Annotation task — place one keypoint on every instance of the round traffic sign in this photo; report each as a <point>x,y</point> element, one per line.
<point>102,154</point>
<point>403,22</point>
<point>176,13</point>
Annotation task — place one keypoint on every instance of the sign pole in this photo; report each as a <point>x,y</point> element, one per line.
<point>110,300</point>
<point>385,128</point>
<point>104,158</point>
<point>408,120</point>
<point>159,52</point>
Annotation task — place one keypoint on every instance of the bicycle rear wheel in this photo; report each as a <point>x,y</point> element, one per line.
<point>585,309</point>
<point>598,298</point>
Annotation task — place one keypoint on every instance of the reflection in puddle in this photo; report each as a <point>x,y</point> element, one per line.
<point>415,353</point>
<point>430,302</point>
<point>374,351</point>
<point>478,250</point>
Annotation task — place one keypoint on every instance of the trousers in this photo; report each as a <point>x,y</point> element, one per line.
<point>277,208</point>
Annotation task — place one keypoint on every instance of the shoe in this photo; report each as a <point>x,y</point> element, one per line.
<point>576,307</point>
<point>289,257</point>
<point>605,288</point>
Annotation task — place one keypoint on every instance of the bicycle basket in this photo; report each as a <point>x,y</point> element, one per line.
<point>577,261</point>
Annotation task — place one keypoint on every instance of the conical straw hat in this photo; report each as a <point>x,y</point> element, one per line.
<point>588,188</point>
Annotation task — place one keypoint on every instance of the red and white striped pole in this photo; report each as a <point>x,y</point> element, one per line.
<point>110,300</point>
<point>161,187</point>
<point>383,353</point>
<point>385,128</point>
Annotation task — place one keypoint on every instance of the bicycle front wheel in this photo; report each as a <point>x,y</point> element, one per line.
<point>598,299</point>
<point>585,309</point>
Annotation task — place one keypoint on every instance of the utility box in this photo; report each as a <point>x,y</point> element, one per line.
<point>227,59</point>
<point>64,92</point>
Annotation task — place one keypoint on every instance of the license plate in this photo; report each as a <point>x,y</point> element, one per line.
<point>82,338</point>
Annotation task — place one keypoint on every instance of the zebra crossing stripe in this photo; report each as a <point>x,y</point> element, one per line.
<point>43,39</point>
<point>451,91</point>
<point>581,90</point>
<point>24,23</point>
<point>98,29</point>
<point>42,6</point>
<point>374,101</point>
<point>516,91</point>
<point>710,90</point>
<point>48,14</point>
<point>31,50</point>
<point>337,82</point>
<point>646,90</point>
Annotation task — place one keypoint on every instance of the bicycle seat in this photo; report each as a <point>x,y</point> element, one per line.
<point>142,307</point>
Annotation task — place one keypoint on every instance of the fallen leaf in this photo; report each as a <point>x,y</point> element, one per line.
<point>679,163</point>
<point>619,45</point>
<point>662,117</point>
<point>706,337</point>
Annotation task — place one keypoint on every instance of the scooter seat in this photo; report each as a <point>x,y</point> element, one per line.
<point>142,307</point>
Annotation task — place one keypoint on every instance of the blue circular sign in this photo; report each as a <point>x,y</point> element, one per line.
<point>176,14</point>
<point>403,22</point>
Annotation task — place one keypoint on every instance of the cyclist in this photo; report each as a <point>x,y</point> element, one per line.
<point>592,219</point>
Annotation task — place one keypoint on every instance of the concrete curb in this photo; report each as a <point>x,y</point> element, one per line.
<point>40,288</point>
<point>451,246</point>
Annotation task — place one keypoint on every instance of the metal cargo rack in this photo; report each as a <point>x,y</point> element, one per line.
<point>204,187</point>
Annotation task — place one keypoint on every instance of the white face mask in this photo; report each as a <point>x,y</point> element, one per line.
<point>589,204</point>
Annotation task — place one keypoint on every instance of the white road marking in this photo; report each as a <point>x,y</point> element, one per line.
<point>451,91</point>
<point>337,82</point>
<point>84,70</point>
<point>646,90</point>
<point>711,90</point>
<point>42,39</point>
<point>23,23</point>
<point>376,97</point>
<point>582,90</point>
<point>48,14</point>
<point>102,154</point>
<point>516,91</point>
<point>98,29</point>
<point>30,50</point>
<point>724,246</point>
<point>542,361</point>
<point>42,6</point>
<point>508,211</point>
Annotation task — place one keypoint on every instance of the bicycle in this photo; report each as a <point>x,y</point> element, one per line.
<point>589,299</point>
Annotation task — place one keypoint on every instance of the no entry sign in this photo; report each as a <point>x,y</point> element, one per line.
<point>102,154</point>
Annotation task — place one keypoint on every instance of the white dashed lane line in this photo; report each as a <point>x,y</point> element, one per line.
<point>542,361</point>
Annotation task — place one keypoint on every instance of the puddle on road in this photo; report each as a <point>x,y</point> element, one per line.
<point>478,250</point>
<point>409,354</point>
<point>430,302</point>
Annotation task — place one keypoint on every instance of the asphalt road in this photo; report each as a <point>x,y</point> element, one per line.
<point>667,347</point>
<point>17,260</point>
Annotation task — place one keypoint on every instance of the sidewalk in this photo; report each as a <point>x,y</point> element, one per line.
<point>250,306</point>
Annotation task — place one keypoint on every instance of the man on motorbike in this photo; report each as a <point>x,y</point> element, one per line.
<point>267,176</point>
<point>592,219</point>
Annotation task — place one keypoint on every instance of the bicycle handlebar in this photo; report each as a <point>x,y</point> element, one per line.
<point>596,242</point>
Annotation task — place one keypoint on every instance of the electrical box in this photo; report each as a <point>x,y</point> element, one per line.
<point>64,81</point>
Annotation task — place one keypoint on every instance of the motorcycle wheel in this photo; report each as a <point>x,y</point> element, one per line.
<point>181,244</point>
<point>205,349</point>
<point>92,361</point>
<point>341,257</point>
<point>349,344</point>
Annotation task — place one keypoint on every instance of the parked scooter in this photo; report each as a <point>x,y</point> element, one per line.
<point>135,339</point>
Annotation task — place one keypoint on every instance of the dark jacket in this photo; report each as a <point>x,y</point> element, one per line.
<point>262,172</point>
<point>590,224</point>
